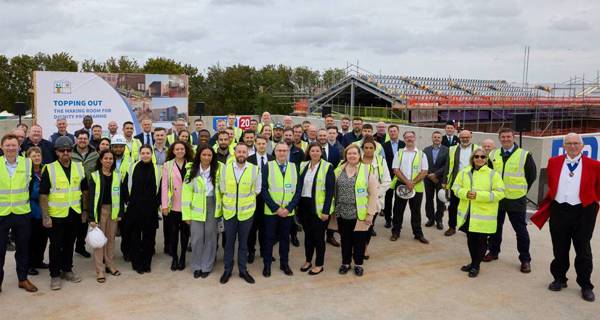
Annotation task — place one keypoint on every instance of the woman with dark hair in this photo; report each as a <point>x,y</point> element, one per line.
<point>480,190</point>
<point>143,185</point>
<point>198,209</point>
<point>179,159</point>
<point>104,144</point>
<point>39,234</point>
<point>184,135</point>
<point>106,196</point>
<point>318,184</point>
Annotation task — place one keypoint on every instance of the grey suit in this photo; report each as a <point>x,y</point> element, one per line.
<point>437,167</point>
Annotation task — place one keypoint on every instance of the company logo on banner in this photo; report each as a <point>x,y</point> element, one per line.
<point>108,97</point>
<point>590,147</point>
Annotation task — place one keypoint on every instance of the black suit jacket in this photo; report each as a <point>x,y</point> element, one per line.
<point>253,158</point>
<point>335,154</point>
<point>389,154</point>
<point>439,166</point>
<point>448,143</point>
<point>141,137</point>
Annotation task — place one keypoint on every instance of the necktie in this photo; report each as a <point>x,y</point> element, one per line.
<point>325,153</point>
<point>262,161</point>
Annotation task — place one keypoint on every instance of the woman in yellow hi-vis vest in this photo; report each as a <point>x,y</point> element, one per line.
<point>106,208</point>
<point>356,192</point>
<point>479,189</point>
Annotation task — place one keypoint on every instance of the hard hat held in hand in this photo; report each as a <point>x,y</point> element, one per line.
<point>403,192</point>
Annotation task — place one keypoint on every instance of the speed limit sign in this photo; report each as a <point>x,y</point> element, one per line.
<point>244,122</point>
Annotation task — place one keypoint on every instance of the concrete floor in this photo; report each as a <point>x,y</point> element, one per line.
<point>403,280</point>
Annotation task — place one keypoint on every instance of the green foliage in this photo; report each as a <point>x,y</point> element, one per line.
<point>239,88</point>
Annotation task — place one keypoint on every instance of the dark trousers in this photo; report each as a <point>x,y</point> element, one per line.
<point>477,243</point>
<point>387,211</point>
<point>178,229</point>
<point>353,243</point>
<point>142,238</point>
<point>258,228</point>
<point>293,229</point>
<point>125,238</point>
<point>415,214</point>
<point>518,219</point>
<point>433,214</point>
<point>166,244</point>
<point>21,227</point>
<point>314,232</point>
<point>236,229</point>
<point>572,223</point>
<point>62,239</point>
<point>277,227</point>
<point>37,243</point>
<point>80,236</point>
<point>452,210</point>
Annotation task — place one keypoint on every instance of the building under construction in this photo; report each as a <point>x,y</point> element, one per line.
<point>480,105</point>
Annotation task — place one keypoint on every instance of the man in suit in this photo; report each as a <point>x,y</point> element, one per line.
<point>198,126</point>
<point>259,158</point>
<point>331,148</point>
<point>296,156</point>
<point>571,204</point>
<point>390,149</point>
<point>146,136</point>
<point>450,139</point>
<point>437,156</point>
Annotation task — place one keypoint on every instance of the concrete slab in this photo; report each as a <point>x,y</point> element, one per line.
<point>403,280</point>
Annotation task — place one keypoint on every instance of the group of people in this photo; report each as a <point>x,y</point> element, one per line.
<point>269,182</point>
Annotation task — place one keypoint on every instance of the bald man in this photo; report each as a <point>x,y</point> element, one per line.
<point>488,145</point>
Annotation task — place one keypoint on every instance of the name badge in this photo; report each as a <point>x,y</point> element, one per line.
<point>116,188</point>
<point>288,186</point>
<point>361,190</point>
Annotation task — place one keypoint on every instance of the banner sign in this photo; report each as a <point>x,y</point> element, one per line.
<point>108,97</point>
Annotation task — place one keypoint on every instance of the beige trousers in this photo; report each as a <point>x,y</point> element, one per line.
<point>106,254</point>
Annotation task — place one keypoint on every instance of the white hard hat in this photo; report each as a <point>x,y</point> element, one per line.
<point>95,238</point>
<point>442,195</point>
<point>118,139</point>
<point>403,193</point>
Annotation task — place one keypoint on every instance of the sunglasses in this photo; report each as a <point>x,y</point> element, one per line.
<point>64,150</point>
<point>479,157</point>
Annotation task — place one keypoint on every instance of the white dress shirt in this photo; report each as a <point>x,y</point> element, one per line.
<point>11,167</point>
<point>465,155</point>
<point>237,170</point>
<point>568,187</point>
<point>308,180</point>
<point>407,161</point>
<point>205,174</point>
<point>262,157</point>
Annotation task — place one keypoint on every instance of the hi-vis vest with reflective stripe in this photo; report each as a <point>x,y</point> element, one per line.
<point>281,188</point>
<point>126,162</point>
<point>483,210</point>
<point>134,150</point>
<point>193,198</point>
<point>360,189</point>
<point>415,169</point>
<point>170,165</point>
<point>320,186</point>
<point>157,176</point>
<point>115,193</point>
<point>303,145</point>
<point>238,198</point>
<point>64,193</point>
<point>14,191</point>
<point>512,172</point>
<point>451,154</point>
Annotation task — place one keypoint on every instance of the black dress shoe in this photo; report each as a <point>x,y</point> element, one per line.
<point>465,268</point>
<point>139,271</point>
<point>197,274</point>
<point>387,225</point>
<point>33,272</point>
<point>42,266</point>
<point>344,269</point>
<point>588,295</point>
<point>250,258</point>
<point>557,285</point>
<point>174,265</point>
<point>358,270</point>
<point>147,270</point>
<point>181,264</point>
<point>203,275</point>
<point>266,272</point>
<point>225,277</point>
<point>303,269</point>
<point>295,241</point>
<point>394,236</point>
<point>287,270</point>
<point>422,239</point>
<point>82,252</point>
<point>333,242</point>
<point>429,223</point>
<point>473,272</point>
<point>247,277</point>
<point>439,225</point>
<point>373,233</point>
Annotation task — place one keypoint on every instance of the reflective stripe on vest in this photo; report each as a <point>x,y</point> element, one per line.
<point>14,191</point>
<point>320,185</point>
<point>238,197</point>
<point>360,189</point>
<point>64,193</point>
<point>484,219</point>
<point>115,192</point>
<point>415,169</point>
<point>451,154</point>
<point>281,188</point>
<point>512,172</point>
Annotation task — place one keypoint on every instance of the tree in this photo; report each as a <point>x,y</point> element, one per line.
<point>332,76</point>
<point>61,61</point>
<point>5,99</point>
<point>162,65</point>
<point>122,65</point>
<point>21,71</point>
<point>90,65</point>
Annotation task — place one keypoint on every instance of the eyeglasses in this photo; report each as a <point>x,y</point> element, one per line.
<point>479,157</point>
<point>64,150</point>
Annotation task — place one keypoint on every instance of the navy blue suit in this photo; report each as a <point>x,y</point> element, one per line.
<point>335,154</point>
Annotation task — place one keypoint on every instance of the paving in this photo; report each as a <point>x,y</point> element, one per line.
<point>403,280</point>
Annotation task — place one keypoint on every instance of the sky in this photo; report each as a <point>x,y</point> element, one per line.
<point>481,39</point>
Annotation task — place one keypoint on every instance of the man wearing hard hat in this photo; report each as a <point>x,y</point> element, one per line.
<point>118,145</point>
